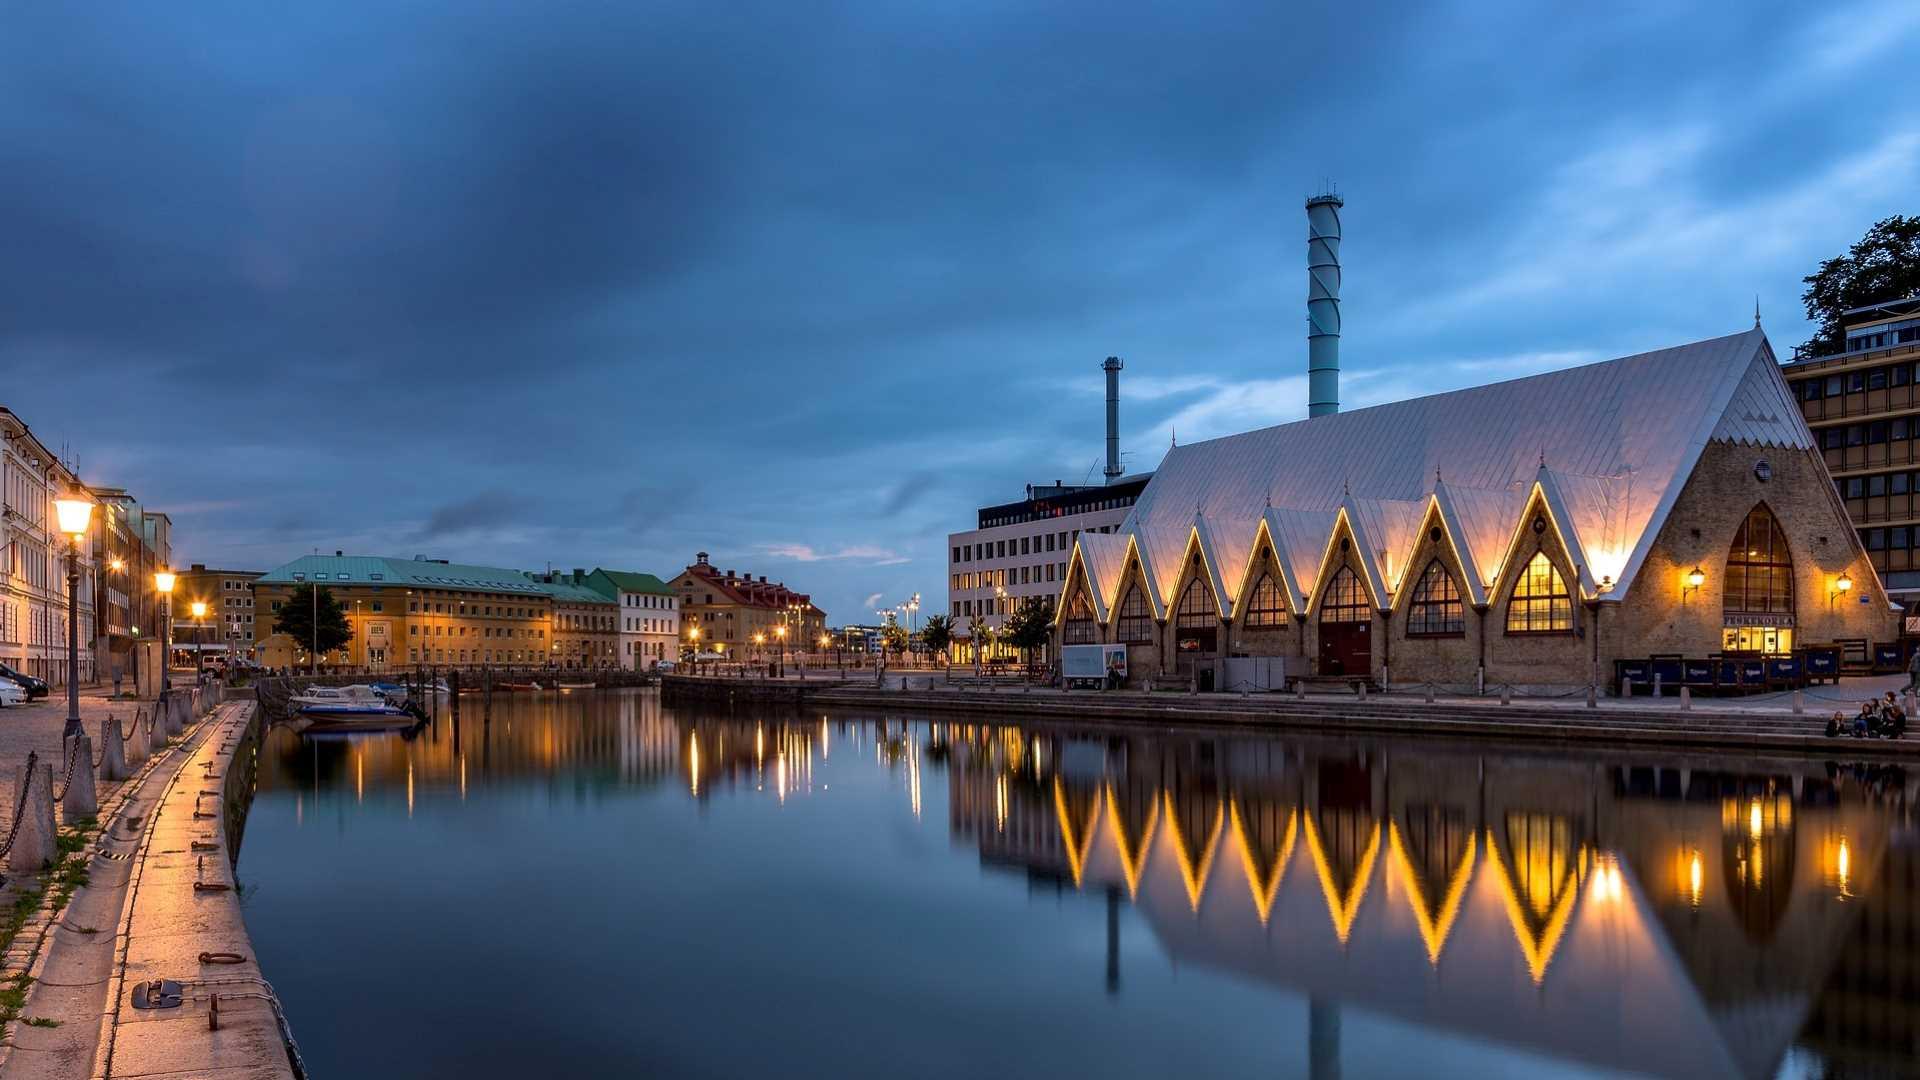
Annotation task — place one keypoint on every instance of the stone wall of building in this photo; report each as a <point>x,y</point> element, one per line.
<point>1660,616</point>
<point>1448,660</point>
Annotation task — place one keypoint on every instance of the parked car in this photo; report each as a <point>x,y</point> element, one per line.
<point>664,667</point>
<point>11,693</point>
<point>35,688</point>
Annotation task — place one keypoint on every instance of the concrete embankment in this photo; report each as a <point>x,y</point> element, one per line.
<point>151,973</point>
<point>1568,721</point>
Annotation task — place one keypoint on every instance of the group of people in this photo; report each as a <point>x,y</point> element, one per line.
<point>1881,718</point>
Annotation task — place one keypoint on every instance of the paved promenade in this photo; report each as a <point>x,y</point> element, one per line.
<point>155,901</point>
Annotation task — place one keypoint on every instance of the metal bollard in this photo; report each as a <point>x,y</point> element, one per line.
<point>1626,688</point>
<point>113,750</point>
<point>80,800</point>
<point>1506,694</point>
<point>1686,699</point>
<point>1429,693</point>
<point>1300,689</point>
<point>1656,684</point>
<point>1593,696</point>
<point>1799,702</point>
<point>1361,688</point>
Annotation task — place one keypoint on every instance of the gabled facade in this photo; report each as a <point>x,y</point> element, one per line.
<point>1526,532</point>
<point>649,616</point>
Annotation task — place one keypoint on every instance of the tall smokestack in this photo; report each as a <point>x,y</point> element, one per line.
<point>1323,304</point>
<point>1112,368</point>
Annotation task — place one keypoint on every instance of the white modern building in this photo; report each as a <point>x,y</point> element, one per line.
<point>1020,550</point>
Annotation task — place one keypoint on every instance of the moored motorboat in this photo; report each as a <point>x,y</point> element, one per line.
<point>358,700</point>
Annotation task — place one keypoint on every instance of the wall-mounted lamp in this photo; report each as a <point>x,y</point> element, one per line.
<point>1695,578</point>
<point>1842,585</point>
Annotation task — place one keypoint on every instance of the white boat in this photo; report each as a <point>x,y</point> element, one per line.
<point>356,700</point>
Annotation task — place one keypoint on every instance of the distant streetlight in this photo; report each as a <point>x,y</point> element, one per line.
<point>75,510</point>
<point>199,648</point>
<point>163,584</point>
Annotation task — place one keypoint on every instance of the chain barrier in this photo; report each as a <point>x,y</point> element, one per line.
<point>59,793</point>
<point>139,714</point>
<point>20,808</point>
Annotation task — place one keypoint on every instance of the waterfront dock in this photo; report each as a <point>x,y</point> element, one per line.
<point>152,899</point>
<point>1769,724</point>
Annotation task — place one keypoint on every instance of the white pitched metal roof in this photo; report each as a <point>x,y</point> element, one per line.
<point>1102,555</point>
<point>1615,439</point>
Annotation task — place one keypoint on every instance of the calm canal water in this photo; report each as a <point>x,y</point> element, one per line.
<point>593,885</point>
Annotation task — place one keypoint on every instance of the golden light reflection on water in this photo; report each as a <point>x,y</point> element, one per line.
<point>1029,797</point>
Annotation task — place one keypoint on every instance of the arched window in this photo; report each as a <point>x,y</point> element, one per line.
<point>1196,620</point>
<point>1266,607</point>
<point>1540,604</point>
<point>1079,629</point>
<point>1758,602</point>
<point>1345,600</point>
<point>1136,621</point>
<point>1435,610</point>
<point>1196,610</point>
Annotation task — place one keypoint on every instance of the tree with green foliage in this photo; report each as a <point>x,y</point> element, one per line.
<point>1031,625</point>
<point>937,635</point>
<point>893,639</point>
<point>296,620</point>
<point>982,636</point>
<point>1882,265</point>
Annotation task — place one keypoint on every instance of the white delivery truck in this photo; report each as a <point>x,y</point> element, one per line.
<point>1093,666</point>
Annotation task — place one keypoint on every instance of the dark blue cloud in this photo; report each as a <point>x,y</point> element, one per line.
<point>804,285</point>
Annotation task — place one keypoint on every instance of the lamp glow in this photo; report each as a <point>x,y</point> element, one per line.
<point>1696,578</point>
<point>199,608</point>
<point>74,510</point>
<point>163,581</point>
<point>1843,584</point>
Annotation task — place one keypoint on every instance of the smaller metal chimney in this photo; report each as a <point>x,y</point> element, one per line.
<point>1112,368</point>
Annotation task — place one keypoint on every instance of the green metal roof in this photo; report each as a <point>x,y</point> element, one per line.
<point>410,573</point>
<point>611,583</point>
<point>567,592</point>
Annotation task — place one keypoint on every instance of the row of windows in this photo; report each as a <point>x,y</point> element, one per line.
<point>1861,487</point>
<point>647,600</point>
<point>1880,337</point>
<point>1869,434</point>
<point>1897,538</point>
<point>1540,604</point>
<point>460,656</point>
<point>442,630</point>
<point>1759,580</point>
<point>1040,511</point>
<point>1012,575</point>
<point>1021,545</point>
<point>1854,382</point>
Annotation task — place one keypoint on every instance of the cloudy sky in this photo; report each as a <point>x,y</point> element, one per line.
<point>804,285</point>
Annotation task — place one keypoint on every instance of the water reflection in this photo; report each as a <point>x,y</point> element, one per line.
<point>1646,913</point>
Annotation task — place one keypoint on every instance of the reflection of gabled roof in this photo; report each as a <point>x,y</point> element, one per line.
<point>1609,444</point>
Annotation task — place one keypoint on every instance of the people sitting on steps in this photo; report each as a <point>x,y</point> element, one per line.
<point>1882,718</point>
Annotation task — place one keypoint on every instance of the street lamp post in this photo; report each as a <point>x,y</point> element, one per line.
<point>163,584</point>
<point>74,511</point>
<point>780,632</point>
<point>199,649</point>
